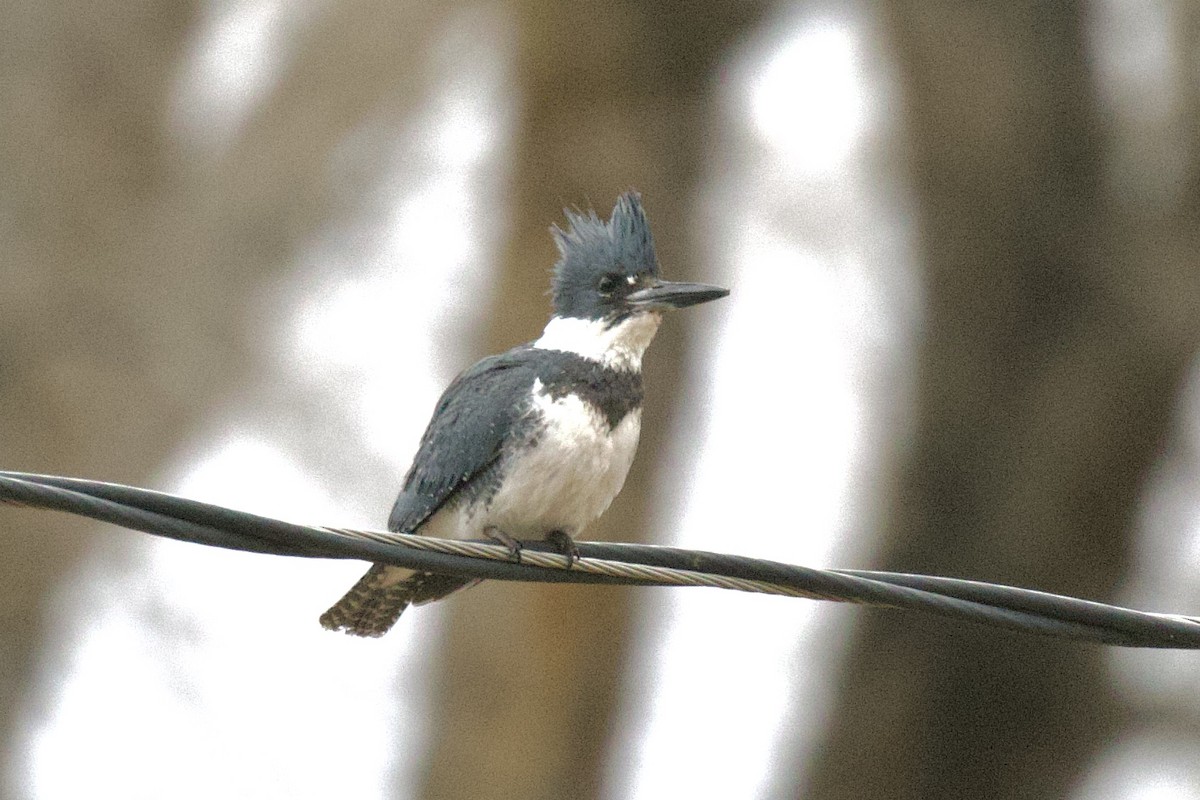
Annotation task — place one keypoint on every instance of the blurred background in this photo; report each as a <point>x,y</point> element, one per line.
<point>244,244</point>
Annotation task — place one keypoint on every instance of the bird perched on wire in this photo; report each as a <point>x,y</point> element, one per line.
<point>535,443</point>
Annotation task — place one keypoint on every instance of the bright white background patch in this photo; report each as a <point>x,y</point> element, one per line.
<point>234,61</point>
<point>239,693</point>
<point>808,100</point>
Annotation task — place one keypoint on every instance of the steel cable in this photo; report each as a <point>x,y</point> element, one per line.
<point>992,604</point>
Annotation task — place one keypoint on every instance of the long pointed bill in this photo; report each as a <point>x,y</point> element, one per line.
<point>667,295</point>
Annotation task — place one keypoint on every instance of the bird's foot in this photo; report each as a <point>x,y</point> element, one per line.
<point>565,544</point>
<point>500,537</point>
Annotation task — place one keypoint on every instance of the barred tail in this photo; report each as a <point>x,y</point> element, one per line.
<point>373,605</point>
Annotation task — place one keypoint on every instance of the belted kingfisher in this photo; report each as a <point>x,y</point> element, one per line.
<point>536,442</point>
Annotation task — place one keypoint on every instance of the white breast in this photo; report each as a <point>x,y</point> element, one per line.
<point>570,475</point>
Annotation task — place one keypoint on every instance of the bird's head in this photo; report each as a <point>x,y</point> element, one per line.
<point>607,272</point>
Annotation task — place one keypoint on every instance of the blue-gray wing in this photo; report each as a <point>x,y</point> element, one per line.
<point>479,410</point>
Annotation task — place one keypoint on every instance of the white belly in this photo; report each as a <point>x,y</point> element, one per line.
<point>569,477</point>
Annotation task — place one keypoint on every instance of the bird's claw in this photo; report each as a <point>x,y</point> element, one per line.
<point>565,544</point>
<point>511,542</point>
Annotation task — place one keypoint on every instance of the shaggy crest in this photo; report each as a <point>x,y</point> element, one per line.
<point>590,249</point>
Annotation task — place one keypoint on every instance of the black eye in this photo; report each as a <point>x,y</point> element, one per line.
<point>609,283</point>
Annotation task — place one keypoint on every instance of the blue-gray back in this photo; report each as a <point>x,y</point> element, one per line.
<point>489,405</point>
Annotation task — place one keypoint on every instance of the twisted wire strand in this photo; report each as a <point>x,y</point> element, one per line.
<point>640,573</point>
<point>611,563</point>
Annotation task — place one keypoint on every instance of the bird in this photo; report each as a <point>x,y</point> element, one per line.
<point>535,443</point>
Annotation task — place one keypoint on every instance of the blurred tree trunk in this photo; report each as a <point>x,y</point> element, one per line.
<point>1046,383</point>
<point>82,386</point>
<point>131,266</point>
<point>615,95</point>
